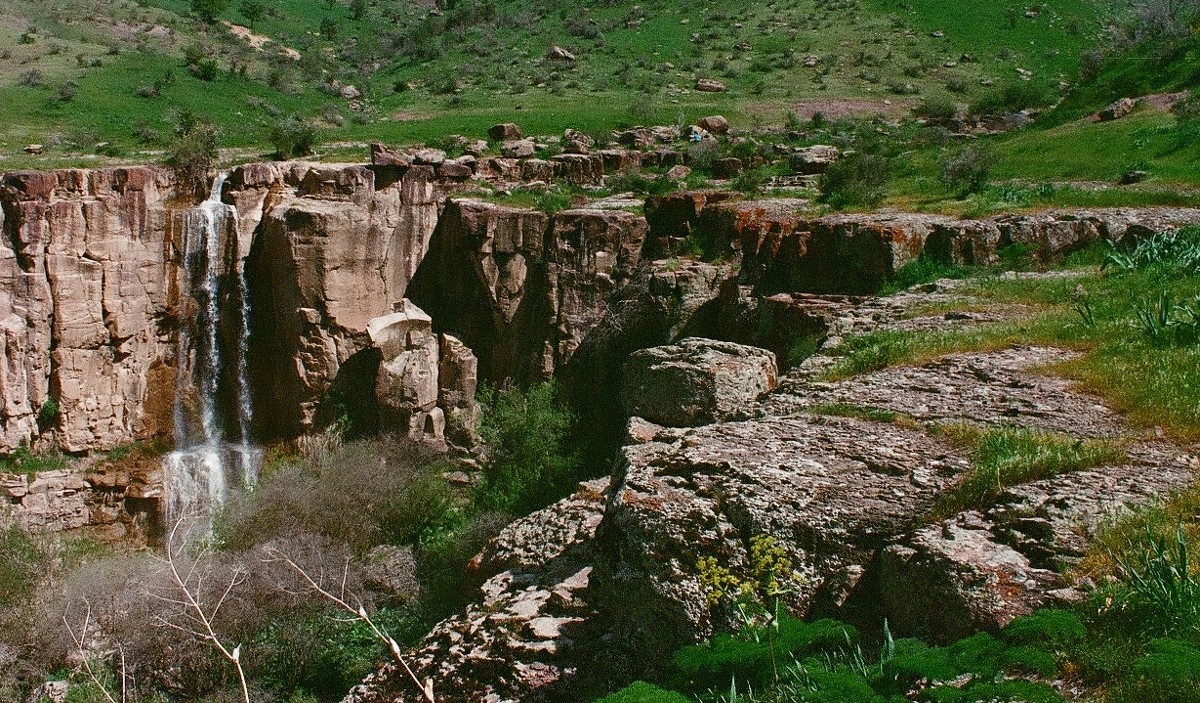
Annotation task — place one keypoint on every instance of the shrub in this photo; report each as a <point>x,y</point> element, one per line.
<point>528,463</point>
<point>193,151</point>
<point>209,10</point>
<point>751,181</point>
<point>702,156</point>
<point>642,692</point>
<point>967,170</point>
<point>1166,251</point>
<point>1170,671</point>
<point>48,415</point>
<point>1161,586</point>
<point>293,137</point>
<point>362,494</point>
<point>1050,628</point>
<point>857,180</point>
<point>205,69</point>
<point>936,109</point>
<point>31,78</point>
<point>1014,96</point>
<point>20,565</point>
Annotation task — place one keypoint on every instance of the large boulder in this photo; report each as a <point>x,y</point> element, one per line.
<point>406,386</point>
<point>697,381</point>
<point>505,131</point>
<point>813,160</point>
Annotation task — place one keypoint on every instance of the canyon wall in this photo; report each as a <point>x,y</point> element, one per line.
<point>92,296</point>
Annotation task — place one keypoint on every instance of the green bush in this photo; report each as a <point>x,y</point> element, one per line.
<point>642,692</point>
<point>857,180</point>
<point>936,109</point>
<point>1167,252</point>
<point>966,171</point>
<point>1170,672</point>
<point>193,151</point>
<point>1047,629</point>
<point>292,137</point>
<point>528,464</point>
<point>1014,96</point>
<point>20,565</point>
<point>923,270</point>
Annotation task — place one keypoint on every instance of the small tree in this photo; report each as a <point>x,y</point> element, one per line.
<point>856,180</point>
<point>193,151</point>
<point>209,10</point>
<point>293,137</point>
<point>253,11</point>
<point>967,171</point>
<point>358,8</point>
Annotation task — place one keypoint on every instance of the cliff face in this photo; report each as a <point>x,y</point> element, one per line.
<point>87,281</point>
<point>92,292</point>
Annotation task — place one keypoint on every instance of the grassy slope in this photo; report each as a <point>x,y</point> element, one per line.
<point>866,49</point>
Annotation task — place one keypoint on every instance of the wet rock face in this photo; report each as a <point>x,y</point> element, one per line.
<point>696,381</point>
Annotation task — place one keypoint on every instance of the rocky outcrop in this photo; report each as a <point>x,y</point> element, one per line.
<point>117,500</point>
<point>522,289</point>
<point>696,381</point>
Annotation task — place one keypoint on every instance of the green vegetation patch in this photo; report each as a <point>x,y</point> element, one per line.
<point>1004,457</point>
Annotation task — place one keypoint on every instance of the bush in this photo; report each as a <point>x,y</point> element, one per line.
<point>209,10</point>
<point>528,464</point>
<point>362,494</point>
<point>642,692</point>
<point>192,152</point>
<point>936,109</point>
<point>751,181</point>
<point>20,565</point>
<point>857,180</point>
<point>1014,96</point>
<point>967,171</point>
<point>293,137</point>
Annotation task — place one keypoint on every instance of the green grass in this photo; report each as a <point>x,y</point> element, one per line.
<point>1155,382</point>
<point>1004,457</point>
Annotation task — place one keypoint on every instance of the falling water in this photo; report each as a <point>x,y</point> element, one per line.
<point>206,462</point>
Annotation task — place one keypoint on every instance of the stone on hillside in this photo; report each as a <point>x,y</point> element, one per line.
<point>557,53</point>
<point>350,92</point>
<point>428,157</point>
<point>518,149</point>
<point>697,381</point>
<point>813,160</point>
<point>576,142</point>
<point>475,148</point>
<point>717,124</point>
<point>457,169</point>
<point>383,156</point>
<point>537,170</point>
<point>708,85</point>
<point>1117,110</point>
<point>728,168</point>
<point>34,149</point>
<point>505,131</point>
<point>677,173</point>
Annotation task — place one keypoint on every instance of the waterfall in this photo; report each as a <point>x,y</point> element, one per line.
<point>206,462</point>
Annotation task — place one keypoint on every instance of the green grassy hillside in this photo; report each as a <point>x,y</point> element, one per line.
<point>76,74</point>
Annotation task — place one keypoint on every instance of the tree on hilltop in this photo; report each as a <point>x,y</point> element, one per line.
<point>208,10</point>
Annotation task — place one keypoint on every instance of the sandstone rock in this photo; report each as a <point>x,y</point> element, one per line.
<point>717,124</point>
<point>518,148</point>
<point>814,160</point>
<point>35,149</point>
<point>506,131</point>
<point>350,92</point>
<point>1117,110</point>
<point>537,170</point>
<point>708,85</point>
<point>406,386</point>
<point>728,168</point>
<point>383,156</point>
<point>476,148</point>
<point>428,157</point>
<point>697,381</point>
<point>456,170</point>
<point>557,53</point>
<point>458,379</point>
<point>578,169</point>
<point>677,173</point>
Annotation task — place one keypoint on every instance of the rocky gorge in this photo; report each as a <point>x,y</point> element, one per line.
<point>384,293</point>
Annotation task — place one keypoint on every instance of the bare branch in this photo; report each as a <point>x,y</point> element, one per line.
<point>80,641</point>
<point>359,611</point>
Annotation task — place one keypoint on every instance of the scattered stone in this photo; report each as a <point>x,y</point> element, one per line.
<point>813,160</point>
<point>728,168</point>
<point>350,92</point>
<point>505,131</point>
<point>35,149</point>
<point>518,149</point>
<point>557,53</point>
<point>811,60</point>
<point>716,124</point>
<point>708,85</point>
<point>1117,110</point>
<point>677,173</point>
<point>475,148</point>
<point>428,157</point>
<point>1131,177</point>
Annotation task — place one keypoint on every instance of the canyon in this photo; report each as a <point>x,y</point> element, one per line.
<point>382,294</point>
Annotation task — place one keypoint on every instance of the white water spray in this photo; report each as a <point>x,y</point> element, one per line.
<point>198,473</point>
